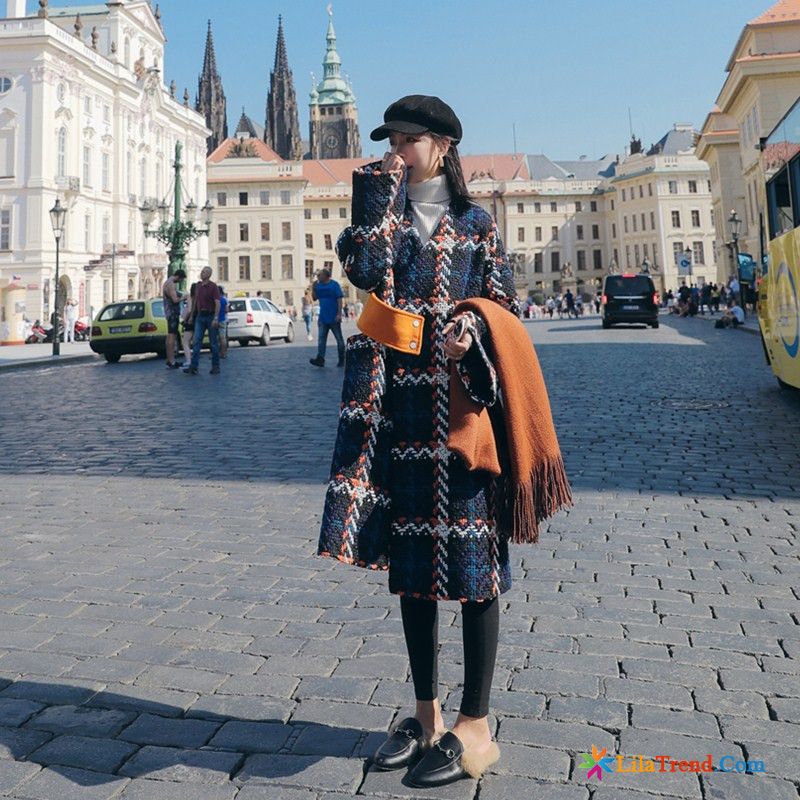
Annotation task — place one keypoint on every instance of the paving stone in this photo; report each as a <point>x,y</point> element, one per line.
<point>336,688</point>
<point>191,766</point>
<point>554,682</point>
<point>504,787</point>
<point>299,667</point>
<point>224,707</point>
<point>323,740</point>
<point>144,789</point>
<point>152,729</point>
<point>734,786</point>
<point>13,773</point>
<point>786,709</point>
<point>68,783</point>
<point>343,715</point>
<point>599,712</point>
<point>333,774</point>
<point>182,678</point>
<point>532,762</point>
<point>692,723</point>
<point>754,730</point>
<point>84,752</point>
<point>14,711</point>
<point>742,704</point>
<point>558,735</point>
<point>81,721</point>
<point>144,700</point>
<point>251,737</point>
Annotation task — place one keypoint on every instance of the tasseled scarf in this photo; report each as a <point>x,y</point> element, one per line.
<point>537,485</point>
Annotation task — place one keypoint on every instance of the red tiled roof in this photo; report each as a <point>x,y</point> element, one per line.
<point>263,151</point>
<point>782,11</point>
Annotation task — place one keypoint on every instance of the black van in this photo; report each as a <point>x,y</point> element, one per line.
<point>629,298</point>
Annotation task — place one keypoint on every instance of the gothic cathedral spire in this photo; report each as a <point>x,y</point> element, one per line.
<point>210,100</point>
<point>282,126</point>
<point>333,124</point>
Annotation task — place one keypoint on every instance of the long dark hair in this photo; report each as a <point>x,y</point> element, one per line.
<point>459,194</point>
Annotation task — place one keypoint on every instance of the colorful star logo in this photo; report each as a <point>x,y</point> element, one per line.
<point>596,763</point>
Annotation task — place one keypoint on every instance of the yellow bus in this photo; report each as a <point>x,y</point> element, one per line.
<point>779,282</point>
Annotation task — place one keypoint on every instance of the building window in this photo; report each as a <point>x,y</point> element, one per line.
<point>612,205</point>
<point>87,166</point>
<point>87,101</point>
<point>673,187</point>
<point>143,177</point>
<point>581,254</point>
<point>328,265</point>
<point>222,232</point>
<point>324,212</point>
<point>644,222</point>
<point>578,206</point>
<point>520,208</point>
<point>87,233</point>
<point>310,241</point>
<point>692,187</point>
<point>286,267</point>
<point>676,219</point>
<point>595,231</point>
<point>554,233</point>
<point>537,208</point>
<point>129,172</point>
<point>636,260</point>
<point>342,212</point>
<point>537,262</point>
<point>645,250</point>
<point>328,242</point>
<point>555,261</point>
<point>244,268</point>
<point>616,256</point>
<point>593,205</point>
<point>309,268</point>
<point>5,229</point>
<point>266,268</point>
<point>597,258</point>
<point>520,234</point>
<point>286,197</point>
<point>641,191</point>
<point>105,175</point>
<point>613,230</point>
<point>243,198</point>
<point>222,268</point>
<point>623,195</point>
<point>677,251</point>
<point>633,221</point>
<point>263,198</point>
<point>286,231</point>
<point>537,233</point>
<point>579,231</point>
<point>265,231</point>
<point>625,224</point>
<point>698,253</point>
<point>553,207</point>
<point>306,213</point>
<point>244,232</point>
<point>652,220</point>
<point>627,256</point>
<point>695,218</point>
<point>106,230</point>
<point>222,199</point>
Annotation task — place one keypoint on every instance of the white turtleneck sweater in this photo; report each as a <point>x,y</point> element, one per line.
<point>429,200</point>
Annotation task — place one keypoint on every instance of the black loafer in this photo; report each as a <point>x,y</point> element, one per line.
<point>440,765</point>
<point>402,746</point>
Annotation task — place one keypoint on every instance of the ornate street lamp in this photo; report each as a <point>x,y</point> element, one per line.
<point>736,227</point>
<point>58,214</point>
<point>176,234</point>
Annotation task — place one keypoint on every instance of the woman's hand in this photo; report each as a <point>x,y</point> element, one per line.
<point>456,349</point>
<point>391,162</point>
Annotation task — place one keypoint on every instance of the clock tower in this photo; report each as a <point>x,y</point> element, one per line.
<point>333,125</point>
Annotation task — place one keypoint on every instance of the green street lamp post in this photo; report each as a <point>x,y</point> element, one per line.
<point>736,226</point>
<point>176,234</point>
<point>58,214</point>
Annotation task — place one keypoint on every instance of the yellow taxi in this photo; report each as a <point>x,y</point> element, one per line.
<point>130,327</point>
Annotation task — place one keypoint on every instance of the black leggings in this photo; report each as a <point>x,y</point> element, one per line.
<point>480,622</point>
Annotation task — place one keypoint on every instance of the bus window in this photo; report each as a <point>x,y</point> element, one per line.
<point>780,204</point>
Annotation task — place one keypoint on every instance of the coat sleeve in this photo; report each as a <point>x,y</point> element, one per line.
<point>368,247</point>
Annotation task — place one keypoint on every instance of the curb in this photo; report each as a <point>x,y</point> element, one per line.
<point>754,331</point>
<point>60,361</point>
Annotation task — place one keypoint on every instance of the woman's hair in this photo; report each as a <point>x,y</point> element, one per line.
<point>192,289</point>
<point>459,194</point>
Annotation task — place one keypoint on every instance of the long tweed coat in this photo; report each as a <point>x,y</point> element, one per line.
<point>431,522</point>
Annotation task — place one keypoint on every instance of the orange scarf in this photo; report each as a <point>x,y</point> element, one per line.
<point>537,485</point>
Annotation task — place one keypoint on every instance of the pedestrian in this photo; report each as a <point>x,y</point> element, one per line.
<point>422,245</point>
<point>714,298</point>
<point>187,323</point>
<point>172,312</point>
<point>222,333</point>
<point>569,299</point>
<point>70,316</point>
<point>551,306</point>
<point>206,318</point>
<point>330,295</point>
<point>307,309</point>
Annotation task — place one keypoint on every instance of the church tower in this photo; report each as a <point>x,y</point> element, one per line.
<point>333,124</point>
<point>210,101</point>
<point>282,127</point>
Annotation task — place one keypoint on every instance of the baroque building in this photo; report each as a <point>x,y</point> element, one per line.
<point>333,122</point>
<point>85,118</point>
<point>210,101</point>
<point>282,126</point>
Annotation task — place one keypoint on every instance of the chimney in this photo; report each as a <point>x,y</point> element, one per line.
<point>15,9</point>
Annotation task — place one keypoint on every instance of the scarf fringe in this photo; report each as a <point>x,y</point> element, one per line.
<point>537,498</point>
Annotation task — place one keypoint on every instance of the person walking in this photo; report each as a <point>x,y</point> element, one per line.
<point>307,308</point>
<point>329,293</point>
<point>70,316</point>
<point>406,494</point>
<point>172,312</point>
<point>206,318</point>
<point>187,323</point>
<point>222,332</point>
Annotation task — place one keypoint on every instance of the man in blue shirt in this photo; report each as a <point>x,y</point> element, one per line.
<point>330,295</point>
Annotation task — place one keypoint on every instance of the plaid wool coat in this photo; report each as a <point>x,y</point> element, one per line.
<point>398,498</point>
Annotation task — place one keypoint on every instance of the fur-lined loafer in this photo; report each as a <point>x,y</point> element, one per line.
<point>405,742</point>
<point>447,761</point>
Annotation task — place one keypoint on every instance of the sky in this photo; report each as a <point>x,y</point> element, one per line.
<point>563,74</point>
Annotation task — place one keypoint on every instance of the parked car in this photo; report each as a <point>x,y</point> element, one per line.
<point>130,327</point>
<point>629,298</point>
<point>256,319</point>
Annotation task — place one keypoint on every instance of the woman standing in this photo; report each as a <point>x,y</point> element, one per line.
<point>307,310</point>
<point>187,323</point>
<point>400,498</point>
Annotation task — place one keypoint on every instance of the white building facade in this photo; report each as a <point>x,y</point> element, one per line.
<point>85,117</point>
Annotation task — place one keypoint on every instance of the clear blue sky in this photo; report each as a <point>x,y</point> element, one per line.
<point>565,72</point>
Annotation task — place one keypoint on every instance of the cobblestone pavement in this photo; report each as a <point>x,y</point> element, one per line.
<point>166,632</point>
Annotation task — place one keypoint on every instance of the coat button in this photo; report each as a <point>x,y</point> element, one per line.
<point>415,323</point>
<point>412,345</point>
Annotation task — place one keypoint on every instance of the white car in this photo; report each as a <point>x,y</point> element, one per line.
<point>257,319</point>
